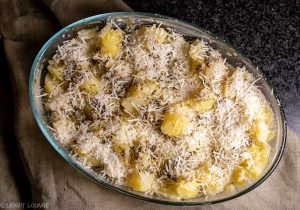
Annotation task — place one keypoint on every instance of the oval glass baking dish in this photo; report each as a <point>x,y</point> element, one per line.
<point>233,57</point>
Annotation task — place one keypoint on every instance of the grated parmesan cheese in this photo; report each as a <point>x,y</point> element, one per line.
<point>88,115</point>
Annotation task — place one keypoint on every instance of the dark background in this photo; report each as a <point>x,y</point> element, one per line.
<point>267,32</point>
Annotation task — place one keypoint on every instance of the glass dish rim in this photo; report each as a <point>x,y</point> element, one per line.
<point>52,141</point>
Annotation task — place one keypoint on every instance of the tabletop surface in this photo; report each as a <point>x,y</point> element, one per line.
<point>267,33</point>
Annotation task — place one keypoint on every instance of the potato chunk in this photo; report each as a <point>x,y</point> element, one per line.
<point>209,179</point>
<point>198,53</point>
<point>216,72</point>
<point>88,157</point>
<point>110,41</point>
<point>202,105</point>
<point>240,176</point>
<point>187,190</point>
<point>174,124</point>
<point>64,130</point>
<point>56,70</point>
<point>153,33</point>
<point>180,189</point>
<point>201,101</point>
<point>131,103</point>
<point>140,95</point>
<point>261,127</point>
<point>230,188</point>
<point>260,155</point>
<point>262,131</point>
<point>91,85</point>
<point>140,181</point>
<point>176,120</point>
<point>179,117</point>
<point>50,84</point>
<point>168,190</point>
<point>87,33</point>
<point>252,168</point>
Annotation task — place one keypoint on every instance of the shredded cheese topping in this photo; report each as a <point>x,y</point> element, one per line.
<point>87,115</point>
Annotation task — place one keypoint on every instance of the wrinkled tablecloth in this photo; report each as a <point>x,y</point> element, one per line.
<point>25,26</point>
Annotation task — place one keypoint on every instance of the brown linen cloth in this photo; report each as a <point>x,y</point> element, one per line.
<point>25,26</point>
<point>8,187</point>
